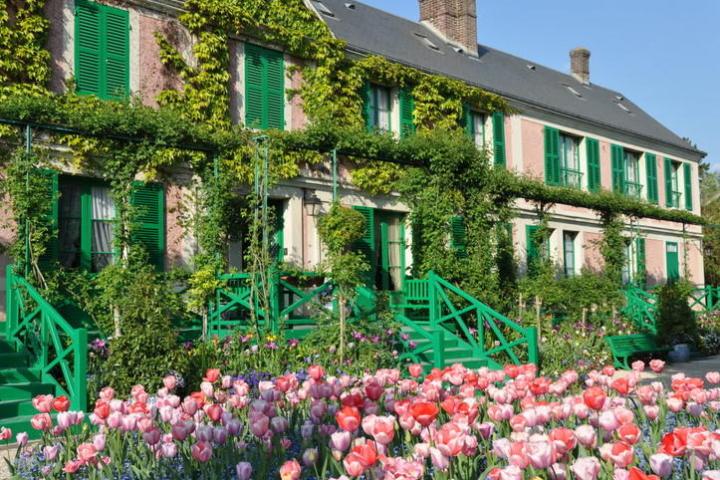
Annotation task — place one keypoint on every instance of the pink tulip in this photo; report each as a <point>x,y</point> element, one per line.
<point>243,470</point>
<point>260,426</point>
<point>511,472</point>
<point>713,377</point>
<point>290,470</point>
<point>439,461</point>
<point>99,442</point>
<point>201,451</point>
<point>586,436</point>
<point>50,453</point>
<point>638,365</point>
<point>657,365</point>
<point>43,403</point>
<point>41,421</point>
<point>86,452</point>
<point>340,441</point>
<point>586,468</point>
<point>661,464</point>
<point>168,450</point>
<point>22,438</point>
<point>541,454</point>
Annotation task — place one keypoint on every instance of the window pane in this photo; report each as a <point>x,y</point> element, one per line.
<point>103,206</point>
<point>569,253</point>
<point>69,200</point>
<point>479,129</point>
<point>102,237</point>
<point>383,101</point>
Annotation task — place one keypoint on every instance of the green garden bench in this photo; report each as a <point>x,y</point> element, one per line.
<point>625,346</point>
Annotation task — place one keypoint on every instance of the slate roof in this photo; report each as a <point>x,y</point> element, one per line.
<point>368,30</point>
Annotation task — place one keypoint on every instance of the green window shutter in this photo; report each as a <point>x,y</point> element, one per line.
<point>533,253</point>
<point>275,100</point>
<point>117,53</point>
<point>148,199</point>
<point>641,264</point>
<point>467,121</point>
<point>593,165</point>
<point>278,235</point>
<point>254,87</point>
<point>458,232</point>
<point>668,183</point>
<point>618,169</point>
<point>407,106</point>
<point>50,198</point>
<point>652,180</point>
<point>264,88</point>
<point>368,110</point>
<point>498,119</point>
<point>552,157</point>
<point>88,34</point>
<point>366,245</point>
<point>687,174</point>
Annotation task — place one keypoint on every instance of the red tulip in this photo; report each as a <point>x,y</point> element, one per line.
<point>61,404</point>
<point>214,411</point>
<point>415,370</point>
<point>637,474</point>
<point>348,418</point>
<point>366,452</point>
<point>316,372</point>
<point>353,465</point>
<point>212,374</point>
<point>621,385</point>
<point>629,433</point>
<point>424,412</point>
<point>594,398</point>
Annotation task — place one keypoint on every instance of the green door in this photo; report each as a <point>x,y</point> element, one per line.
<point>673,261</point>
<point>390,233</point>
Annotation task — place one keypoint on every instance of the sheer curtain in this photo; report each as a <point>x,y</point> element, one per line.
<point>103,214</point>
<point>394,247</point>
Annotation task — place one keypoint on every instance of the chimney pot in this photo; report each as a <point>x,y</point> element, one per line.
<point>456,20</point>
<point>580,65</point>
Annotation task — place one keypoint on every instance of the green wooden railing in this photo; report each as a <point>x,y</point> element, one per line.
<point>641,308</point>
<point>57,349</point>
<point>290,305</point>
<point>455,314</point>
<point>706,299</point>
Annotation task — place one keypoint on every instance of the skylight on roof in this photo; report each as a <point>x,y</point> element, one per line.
<point>350,5</point>
<point>532,67</point>
<point>427,42</point>
<point>573,91</point>
<point>622,106</point>
<point>322,8</point>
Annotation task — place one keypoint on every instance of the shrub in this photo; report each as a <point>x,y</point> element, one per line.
<point>675,319</point>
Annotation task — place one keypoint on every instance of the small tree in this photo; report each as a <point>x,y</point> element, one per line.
<point>676,320</point>
<point>339,229</point>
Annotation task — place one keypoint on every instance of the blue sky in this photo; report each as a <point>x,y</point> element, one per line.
<point>662,54</point>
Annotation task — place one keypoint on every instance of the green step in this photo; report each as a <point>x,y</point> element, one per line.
<point>21,424</point>
<point>23,391</point>
<point>5,346</point>
<point>19,375</point>
<point>455,353</point>
<point>13,360</point>
<point>16,408</point>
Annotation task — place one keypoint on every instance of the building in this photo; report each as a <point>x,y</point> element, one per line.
<point>569,132</point>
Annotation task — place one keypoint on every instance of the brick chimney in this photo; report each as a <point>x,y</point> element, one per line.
<point>580,65</point>
<point>456,20</point>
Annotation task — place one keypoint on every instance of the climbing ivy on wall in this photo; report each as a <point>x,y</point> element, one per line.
<point>24,60</point>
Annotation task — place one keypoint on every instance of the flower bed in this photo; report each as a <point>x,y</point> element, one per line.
<point>451,424</point>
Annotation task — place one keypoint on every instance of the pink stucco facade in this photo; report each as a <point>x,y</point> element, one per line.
<point>532,147</point>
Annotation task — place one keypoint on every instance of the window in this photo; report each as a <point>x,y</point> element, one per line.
<point>378,108</point>
<point>628,271</point>
<point>87,213</point>
<point>672,183</point>
<point>476,128</point>
<point>633,185</point>
<point>562,159</point>
<point>569,152</point>
<point>569,253</point>
<point>537,247</point>
<point>264,88</point>
<point>102,50</point>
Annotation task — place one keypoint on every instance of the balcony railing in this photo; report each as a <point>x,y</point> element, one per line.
<point>633,189</point>
<point>571,178</point>
<point>675,199</point>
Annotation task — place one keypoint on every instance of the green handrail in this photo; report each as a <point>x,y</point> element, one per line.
<point>641,308</point>
<point>706,299</point>
<point>57,349</point>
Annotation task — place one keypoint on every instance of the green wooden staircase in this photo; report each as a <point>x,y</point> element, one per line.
<point>444,325</point>
<point>40,353</point>
<point>440,323</point>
